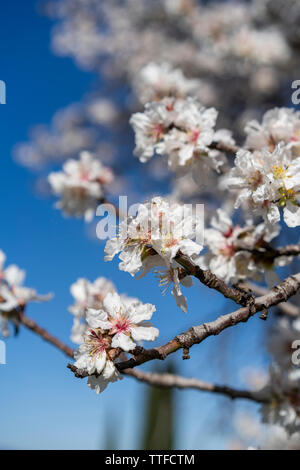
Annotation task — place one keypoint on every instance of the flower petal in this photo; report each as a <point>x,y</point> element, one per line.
<point>120,340</point>
<point>146,332</point>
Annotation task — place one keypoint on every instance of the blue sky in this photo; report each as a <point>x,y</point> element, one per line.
<point>42,404</point>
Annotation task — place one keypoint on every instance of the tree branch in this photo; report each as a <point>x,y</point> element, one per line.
<point>171,380</point>
<point>226,148</point>
<point>213,282</point>
<point>31,325</point>
<point>287,308</point>
<point>268,254</point>
<point>197,334</point>
<point>194,335</point>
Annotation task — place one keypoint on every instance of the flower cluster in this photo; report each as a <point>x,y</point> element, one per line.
<point>267,181</point>
<point>220,42</point>
<point>183,131</point>
<point>113,329</point>
<point>281,339</point>
<point>155,82</point>
<point>154,237</point>
<point>284,379</point>
<point>284,408</point>
<point>80,185</point>
<point>264,46</point>
<point>236,253</point>
<point>278,125</point>
<point>14,296</point>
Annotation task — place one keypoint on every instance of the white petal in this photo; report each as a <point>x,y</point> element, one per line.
<point>97,319</point>
<point>112,247</point>
<point>109,370</point>
<point>176,292</point>
<point>146,332</point>
<point>189,248</point>
<point>139,312</point>
<point>100,362</point>
<point>2,259</point>
<point>98,384</point>
<point>113,304</point>
<point>14,275</point>
<point>292,215</point>
<point>273,214</point>
<point>120,340</point>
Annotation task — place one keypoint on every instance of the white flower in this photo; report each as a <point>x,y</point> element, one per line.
<point>78,330</point>
<point>191,135</point>
<point>266,46</point>
<point>125,321</point>
<point>14,278</point>
<point>278,125</point>
<point>153,238</point>
<point>109,374</point>
<point>229,253</point>
<point>87,295</point>
<point>13,295</point>
<point>183,131</point>
<point>223,257</point>
<point>284,407</point>
<point>95,355</point>
<point>151,126</point>
<point>155,82</point>
<point>267,181</point>
<point>80,185</point>
<point>113,329</point>
<point>160,228</point>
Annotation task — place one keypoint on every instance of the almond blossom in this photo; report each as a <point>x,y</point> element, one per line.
<point>278,125</point>
<point>80,185</point>
<point>266,46</point>
<point>267,182</point>
<point>87,295</point>
<point>13,295</point>
<point>284,407</point>
<point>183,131</point>
<point>153,238</point>
<point>193,132</point>
<point>284,378</point>
<point>156,82</point>
<point>96,356</point>
<point>151,127</point>
<point>230,254</point>
<point>125,321</point>
<point>113,329</point>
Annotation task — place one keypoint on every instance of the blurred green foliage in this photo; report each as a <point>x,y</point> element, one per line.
<point>159,424</point>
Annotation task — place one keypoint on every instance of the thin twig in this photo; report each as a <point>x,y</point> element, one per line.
<point>197,334</point>
<point>226,148</point>
<point>44,334</point>
<point>213,282</point>
<point>288,308</point>
<point>171,380</point>
<point>268,254</point>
